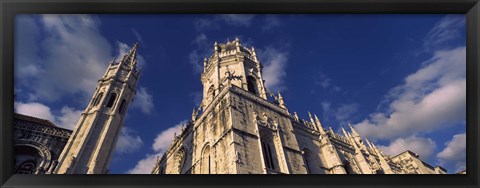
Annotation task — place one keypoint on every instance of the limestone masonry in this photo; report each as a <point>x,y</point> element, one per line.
<point>240,128</point>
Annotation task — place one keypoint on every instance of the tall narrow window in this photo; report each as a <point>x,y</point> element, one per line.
<point>121,110</point>
<point>206,161</point>
<point>251,84</point>
<point>308,160</point>
<point>113,96</point>
<point>97,100</point>
<point>267,155</point>
<point>211,92</point>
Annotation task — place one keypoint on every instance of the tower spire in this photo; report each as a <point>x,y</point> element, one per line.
<point>311,118</point>
<point>319,125</point>
<point>354,133</point>
<point>89,149</point>
<point>280,100</point>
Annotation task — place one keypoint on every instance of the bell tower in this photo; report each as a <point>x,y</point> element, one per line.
<point>90,147</point>
<point>231,62</point>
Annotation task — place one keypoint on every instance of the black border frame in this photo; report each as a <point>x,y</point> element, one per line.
<point>8,9</point>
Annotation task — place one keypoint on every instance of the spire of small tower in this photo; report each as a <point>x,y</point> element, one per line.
<point>319,125</point>
<point>354,133</point>
<point>331,130</point>
<point>344,132</point>
<point>295,115</point>
<point>131,57</point>
<point>368,143</point>
<point>237,43</point>
<point>194,114</point>
<point>280,100</point>
<point>254,54</point>
<point>311,118</point>
<point>215,47</point>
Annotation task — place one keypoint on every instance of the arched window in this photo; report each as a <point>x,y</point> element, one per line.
<point>211,92</point>
<point>27,167</point>
<point>180,159</point>
<point>113,96</point>
<point>252,84</point>
<point>267,155</point>
<point>97,100</point>
<point>347,166</point>
<point>206,161</point>
<point>121,110</point>
<point>309,162</point>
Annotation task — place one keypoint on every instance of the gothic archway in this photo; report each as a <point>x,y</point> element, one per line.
<point>206,161</point>
<point>31,157</point>
<point>252,85</point>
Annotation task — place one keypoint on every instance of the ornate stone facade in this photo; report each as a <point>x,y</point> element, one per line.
<point>90,148</point>
<point>238,129</point>
<point>38,144</point>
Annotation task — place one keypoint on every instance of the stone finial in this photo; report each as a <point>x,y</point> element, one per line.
<point>319,125</point>
<point>354,133</point>
<point>344,132</point>
<point>368,143</point>
<point>194,114</point>
<point>280,100</point>
<point>331,130</point>
<point>295,115</point>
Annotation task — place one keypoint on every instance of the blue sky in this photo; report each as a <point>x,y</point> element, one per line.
<point>398,79</point>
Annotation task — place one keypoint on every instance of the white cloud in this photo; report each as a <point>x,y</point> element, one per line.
<point>67,118</point>
<point>432,98</point>
<point>145,165</point>
<point>345,111</point>
<point>424,147</point>
<point>159,146</point>
<point>202,50</point>
<point>165,138</point>
<point>128,142</point>
<point>67,61</point>
<point>143,100</point>
<point>275,63</point>
<point>448,28</point>
<point>34,109</point>
<point>74,56</point>
<point>454,152</point>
